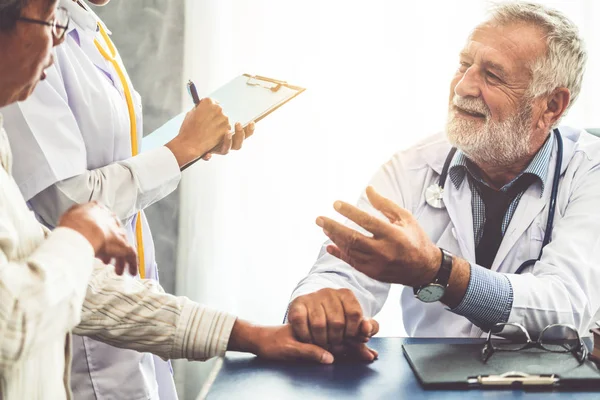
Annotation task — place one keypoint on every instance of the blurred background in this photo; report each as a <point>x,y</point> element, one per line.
<point>239,233</point>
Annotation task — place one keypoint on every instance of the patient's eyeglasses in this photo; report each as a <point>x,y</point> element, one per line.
<point>59,24</point>
<point>556,338</point>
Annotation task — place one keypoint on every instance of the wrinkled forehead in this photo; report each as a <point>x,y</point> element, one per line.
<point>513,46</point>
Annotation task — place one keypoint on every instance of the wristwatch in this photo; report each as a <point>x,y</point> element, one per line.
<point>434,291</point>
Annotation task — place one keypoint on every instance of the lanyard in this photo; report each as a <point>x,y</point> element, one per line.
<point>133,131</point>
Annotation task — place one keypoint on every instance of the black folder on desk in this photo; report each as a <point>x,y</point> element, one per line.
<point>459,366</point>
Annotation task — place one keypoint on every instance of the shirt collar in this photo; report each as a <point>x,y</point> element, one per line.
<point>538,167</point>
<point>81,17</point>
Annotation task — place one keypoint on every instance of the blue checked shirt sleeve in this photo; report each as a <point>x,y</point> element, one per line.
<point>488,299</point>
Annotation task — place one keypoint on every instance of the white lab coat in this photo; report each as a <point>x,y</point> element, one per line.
<point>560,288</point>
<point>71,143</point>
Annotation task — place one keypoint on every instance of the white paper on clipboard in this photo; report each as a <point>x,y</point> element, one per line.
<point>244,99</point>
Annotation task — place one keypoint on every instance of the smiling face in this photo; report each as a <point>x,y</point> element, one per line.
<point>27,52</point>
<point>491,116</point>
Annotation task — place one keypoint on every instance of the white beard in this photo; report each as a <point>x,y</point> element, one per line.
<point>491,143</point>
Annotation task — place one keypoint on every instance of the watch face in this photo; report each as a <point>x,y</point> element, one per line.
<point>431,293</point>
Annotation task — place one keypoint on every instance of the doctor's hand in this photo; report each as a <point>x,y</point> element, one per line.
<point>104,231</point>
<point>333,319</point>
<point>274,343</point>
<point>399,250</point>
<point>232,142</point>
<point>204,128</point>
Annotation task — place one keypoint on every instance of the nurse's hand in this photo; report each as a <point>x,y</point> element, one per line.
<point>104,231</point>
<point>333,318</point>
<point>203,129</point>
<point>232,142</point>
<point>274,343</point>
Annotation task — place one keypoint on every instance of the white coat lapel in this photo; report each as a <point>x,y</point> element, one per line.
<point>85,25</point>
<point>89,47</point>
<point>531,204</point>
<point>457,202</point>
<point>458,205</point>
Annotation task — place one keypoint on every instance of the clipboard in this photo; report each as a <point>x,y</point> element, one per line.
<point>244,99</point>
<point>459,366</point>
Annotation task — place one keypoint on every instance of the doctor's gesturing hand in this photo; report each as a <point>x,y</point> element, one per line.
<point>104,231</point>
<point>333,319</point>
<point>399,250</point>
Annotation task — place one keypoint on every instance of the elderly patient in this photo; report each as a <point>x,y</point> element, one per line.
<point>457,250</point>
<point>92,156</point>
<point>51,284</point>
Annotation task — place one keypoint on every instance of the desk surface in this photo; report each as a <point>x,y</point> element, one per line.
<point>390,377</point>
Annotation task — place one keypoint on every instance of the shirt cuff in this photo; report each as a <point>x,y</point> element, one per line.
<point>202,333</point>
<point>154,168</point>
<point>488,299</point>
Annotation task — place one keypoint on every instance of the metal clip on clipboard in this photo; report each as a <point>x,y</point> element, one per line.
<point>514,378</point>
<point>272,84</point>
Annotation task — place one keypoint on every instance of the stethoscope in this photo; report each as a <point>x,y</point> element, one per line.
<point>434,195</point>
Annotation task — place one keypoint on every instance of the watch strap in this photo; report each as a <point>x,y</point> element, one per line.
<point>443,275</point>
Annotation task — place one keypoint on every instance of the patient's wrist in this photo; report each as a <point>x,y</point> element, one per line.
<point>244,337</point>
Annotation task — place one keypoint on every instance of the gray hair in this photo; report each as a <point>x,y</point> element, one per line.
<point>10,11</point>
<point>563,65</point>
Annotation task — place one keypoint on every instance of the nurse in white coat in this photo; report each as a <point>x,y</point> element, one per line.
<point>500,118</point>
<point>73,142</point>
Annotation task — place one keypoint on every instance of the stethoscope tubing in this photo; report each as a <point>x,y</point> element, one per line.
<point>553,195</point>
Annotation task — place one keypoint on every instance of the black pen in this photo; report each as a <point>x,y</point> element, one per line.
<point>191,88</point>
<point>193,92</point>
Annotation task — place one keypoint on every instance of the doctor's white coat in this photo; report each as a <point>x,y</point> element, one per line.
<point>562,287</point>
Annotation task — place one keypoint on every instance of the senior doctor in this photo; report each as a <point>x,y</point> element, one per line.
<point>77,139</point>
<point>455,227</point>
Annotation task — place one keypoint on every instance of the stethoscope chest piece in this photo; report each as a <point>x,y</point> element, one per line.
<point>434,196</point>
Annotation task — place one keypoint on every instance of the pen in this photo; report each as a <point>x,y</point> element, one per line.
<point>191,88</point>
<point>193,92</point>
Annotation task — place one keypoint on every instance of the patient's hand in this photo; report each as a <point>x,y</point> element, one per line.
<point>274,343</point>
<point>104,231</point>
